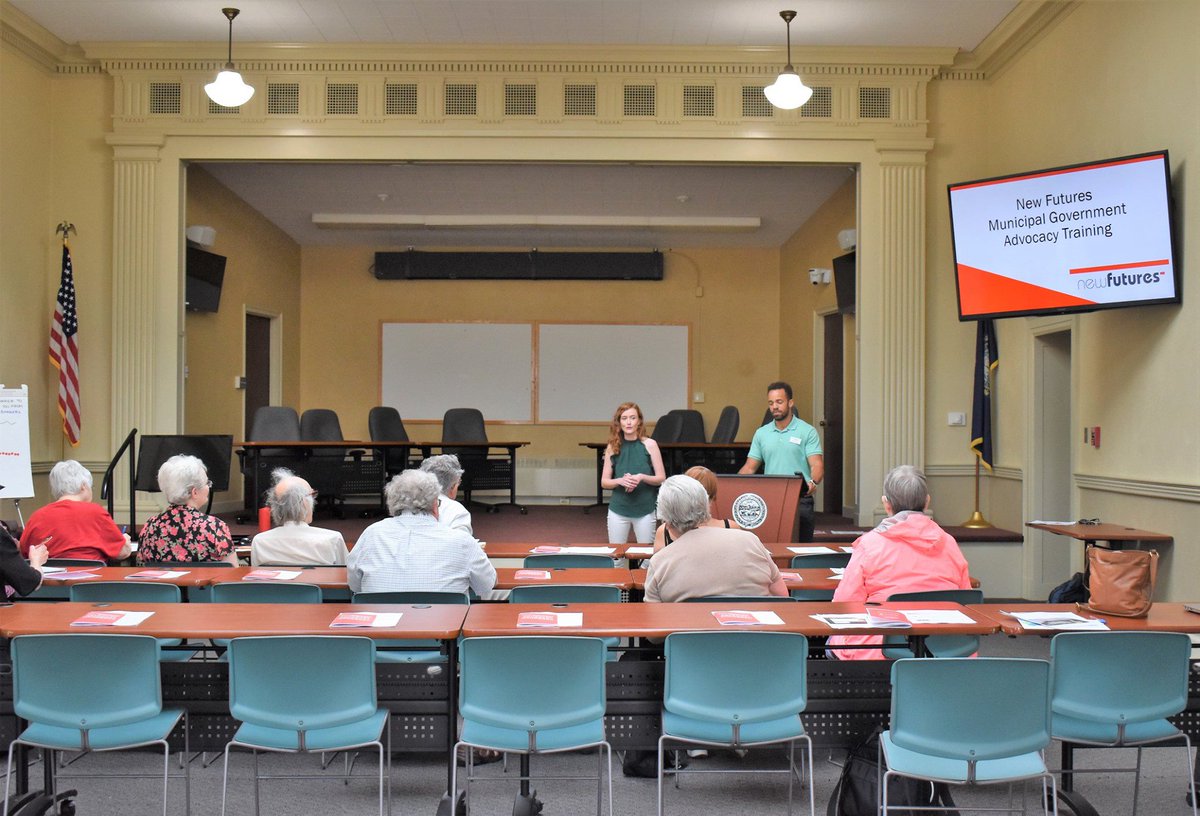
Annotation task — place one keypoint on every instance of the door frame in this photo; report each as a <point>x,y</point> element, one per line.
<point>1033,507</point>
<point>275,387</point>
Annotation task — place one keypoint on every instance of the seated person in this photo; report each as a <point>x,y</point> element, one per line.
<point>292,540</point>
<point>451,512</point>
<point>705,560</point>
<point>709,479</point>
<point>412,552</point>
<point>17,576</point>
<point>906,552</point>
<point>184,532</point>
<point>73,526</point>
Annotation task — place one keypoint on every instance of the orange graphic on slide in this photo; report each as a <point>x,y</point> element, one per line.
<point>982,292</point>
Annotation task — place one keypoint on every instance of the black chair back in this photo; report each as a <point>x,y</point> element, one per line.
<point>385,425</point>
<point>727,425</point>
<point>691,425</point>
<point>668,428</point>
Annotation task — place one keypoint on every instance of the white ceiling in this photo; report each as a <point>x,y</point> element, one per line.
<point>958,23</point>
<point>289,194</point>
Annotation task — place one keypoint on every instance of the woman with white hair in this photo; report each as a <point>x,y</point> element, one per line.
<point>704,560</point>
<point>73,526</point>
<point>184,532</point>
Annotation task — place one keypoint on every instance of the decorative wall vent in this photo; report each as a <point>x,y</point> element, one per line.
<point>520,99</point>
<point>283,98</point>
<point>754,102</point>
<point>341,98</point>
<point>579,100</point>
<point>875,103</point>
<point>401,99</point>
<point>460,99</point>
<point>165,97</point>
<point>639,100</point>
<point>699,100</point>
<point>820,105</point>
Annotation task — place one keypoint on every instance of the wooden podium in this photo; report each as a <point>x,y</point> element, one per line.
<point>780,497</point>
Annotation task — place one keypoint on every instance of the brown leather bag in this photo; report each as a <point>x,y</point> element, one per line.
<point>1121,582</point>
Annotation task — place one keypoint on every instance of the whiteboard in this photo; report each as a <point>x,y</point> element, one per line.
<point>586,371</point>
<point>16,470</point>
<point>429,368</point>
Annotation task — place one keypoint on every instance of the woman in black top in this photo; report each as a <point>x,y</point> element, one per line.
<point>20,577</point>
<point>709,479</point>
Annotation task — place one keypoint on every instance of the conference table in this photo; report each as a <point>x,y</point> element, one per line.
<point>501,468</point>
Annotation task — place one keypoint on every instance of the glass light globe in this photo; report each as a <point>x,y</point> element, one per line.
<point>228,90</point>
<point>788,92</point>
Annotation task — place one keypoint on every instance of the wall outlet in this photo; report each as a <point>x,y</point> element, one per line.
<point>956,419</point>
<point>239,383</point>
<point>564,500</point>
<point>698,397</point>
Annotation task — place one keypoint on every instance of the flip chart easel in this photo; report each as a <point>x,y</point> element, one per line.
<point>16,467</point>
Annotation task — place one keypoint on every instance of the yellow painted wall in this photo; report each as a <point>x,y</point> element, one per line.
<point>1109,79</point>
<point>734,331</point>
<point>262,275</point>
<point>54,165</point>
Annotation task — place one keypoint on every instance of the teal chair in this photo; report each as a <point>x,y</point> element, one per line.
<point>134,592</point>
<point>532,694</point>
<point>391,650</point>
<point>896,646</point>
<point>92,692</point>
<point>306,694</point>
<point>707,700</point>
<point>564,561</point>
<point>1116,690</point>
<point>569,594</point>
<point>818,561</point>
<point>968,721</point>
<point>261,592</point>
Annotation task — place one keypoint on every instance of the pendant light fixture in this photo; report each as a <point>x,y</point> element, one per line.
<point>789,91</point>
<point>228,90</point>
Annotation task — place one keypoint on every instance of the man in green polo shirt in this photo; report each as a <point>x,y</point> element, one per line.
<point>788,446</point>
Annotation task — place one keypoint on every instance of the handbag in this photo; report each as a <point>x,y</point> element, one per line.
<point>857,789</point>
<point>1121,582</point>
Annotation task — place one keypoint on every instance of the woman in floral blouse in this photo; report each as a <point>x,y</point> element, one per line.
<point>184,532</point>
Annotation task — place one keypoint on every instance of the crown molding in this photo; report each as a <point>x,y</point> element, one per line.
<point>19,31</point>
<point>1023,26</point>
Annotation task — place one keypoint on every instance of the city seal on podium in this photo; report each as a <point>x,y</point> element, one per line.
<point>749,511</point>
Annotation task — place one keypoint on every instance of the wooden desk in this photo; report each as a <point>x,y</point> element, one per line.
<point>1117,535</point>
<point>415,697</point>
<point>1163,617</point>
<point>374,475</point>
<point>499,471</point>
<point>509,549</point>
<point>440,622</point>
<point>506,577</point>
<point>194,577</point>
<point>658,620</point>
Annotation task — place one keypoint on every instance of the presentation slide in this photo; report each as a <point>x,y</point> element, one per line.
<point>1076,238</point>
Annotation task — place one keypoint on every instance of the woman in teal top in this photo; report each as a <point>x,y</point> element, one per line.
<point>633,470</point>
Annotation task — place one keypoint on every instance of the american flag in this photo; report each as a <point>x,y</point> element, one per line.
<point>64,352</point>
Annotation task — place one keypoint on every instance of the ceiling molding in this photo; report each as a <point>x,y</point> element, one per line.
<point>20,32</point>
<point>1024,26</point>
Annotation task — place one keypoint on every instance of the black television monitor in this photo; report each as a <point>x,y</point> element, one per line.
<point>1067,239</point>
<point>214,450</point>
<point>844,281</point>
<point>204,274</point>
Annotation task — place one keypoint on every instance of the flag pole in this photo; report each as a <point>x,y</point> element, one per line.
<point>976,521</point>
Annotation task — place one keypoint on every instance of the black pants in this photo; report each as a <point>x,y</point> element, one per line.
<point>808,519</point>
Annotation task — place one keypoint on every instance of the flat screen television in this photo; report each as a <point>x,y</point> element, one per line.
<point>1067,239</point>
<point>204,274</point>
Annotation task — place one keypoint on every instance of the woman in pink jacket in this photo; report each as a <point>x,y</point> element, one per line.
<point>907,552</point>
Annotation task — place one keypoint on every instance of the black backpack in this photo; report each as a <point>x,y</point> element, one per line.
<point>856,792</point>
<point>1070,591</point>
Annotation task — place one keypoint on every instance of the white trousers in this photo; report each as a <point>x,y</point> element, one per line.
<point>619,526</point>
